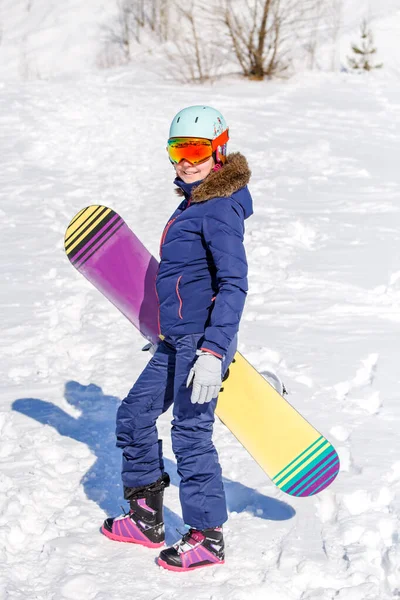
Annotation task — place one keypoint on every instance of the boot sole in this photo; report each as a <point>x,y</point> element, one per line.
<point>165,565</point>
<point>121,538</point>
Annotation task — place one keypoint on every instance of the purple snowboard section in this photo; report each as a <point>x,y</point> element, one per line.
<point>125,272</point>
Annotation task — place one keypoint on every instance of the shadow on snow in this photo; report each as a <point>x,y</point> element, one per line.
<point>96,427</point>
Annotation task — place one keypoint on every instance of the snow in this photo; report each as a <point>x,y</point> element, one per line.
<point>46,39</point>
<point>323,311</point>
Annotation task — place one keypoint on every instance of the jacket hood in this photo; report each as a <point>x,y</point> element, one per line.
<point>222,183</point>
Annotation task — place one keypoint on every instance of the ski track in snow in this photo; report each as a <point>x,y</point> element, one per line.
<point>323,311</point>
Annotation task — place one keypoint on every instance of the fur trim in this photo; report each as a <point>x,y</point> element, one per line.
<point>234,175</point>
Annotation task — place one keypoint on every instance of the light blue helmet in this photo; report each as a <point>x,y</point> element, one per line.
<point>203,122</point>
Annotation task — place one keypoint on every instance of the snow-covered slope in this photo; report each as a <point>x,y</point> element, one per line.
<point>46,38</point>
<point>323,309</point>
<point>41,39</point>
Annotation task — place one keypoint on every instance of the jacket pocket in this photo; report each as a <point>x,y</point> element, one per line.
<point>179,297</point>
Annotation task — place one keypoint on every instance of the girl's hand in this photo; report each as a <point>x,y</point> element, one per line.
<point>206,376</point>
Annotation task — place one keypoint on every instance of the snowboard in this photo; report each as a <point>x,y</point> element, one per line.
<point>297,458</point>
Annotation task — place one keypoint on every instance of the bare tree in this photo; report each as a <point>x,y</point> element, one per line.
<point>264,33</point>
<point>133,17</point>
<point>308,24</point>
<point>126,21</point>
<point>264,37</point>
<point>312,38</point>
<point>249,31</point>
<point>164,16</point>
<point>321,24</point>
<point>123,33</point>
<point>195,61</point>
<point>335,16</point>
<point>157,17</point>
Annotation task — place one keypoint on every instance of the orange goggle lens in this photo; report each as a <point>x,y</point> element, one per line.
<point>195,150</point>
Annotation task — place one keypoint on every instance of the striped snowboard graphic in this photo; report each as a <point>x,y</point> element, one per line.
<point>297,458</point>
<point>310,472</point>
<point>89,231</point>
<point>101,246</point>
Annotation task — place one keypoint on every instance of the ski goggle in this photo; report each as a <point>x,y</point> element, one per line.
<point>195,150</point>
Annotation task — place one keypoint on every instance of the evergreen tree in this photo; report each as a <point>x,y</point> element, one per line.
<point>364,51</point>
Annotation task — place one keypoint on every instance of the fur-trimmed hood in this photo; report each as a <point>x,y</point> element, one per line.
<point>221,183</point>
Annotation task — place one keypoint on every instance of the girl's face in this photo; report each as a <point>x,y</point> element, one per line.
<point>190,173</point>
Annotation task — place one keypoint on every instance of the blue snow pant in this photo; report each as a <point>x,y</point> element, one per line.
<point>162,383</point>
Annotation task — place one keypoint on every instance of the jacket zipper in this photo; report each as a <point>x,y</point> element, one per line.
<point>158,304</point>
<point>166,228</point>
<point>168,225</point>
<point>164,234</point>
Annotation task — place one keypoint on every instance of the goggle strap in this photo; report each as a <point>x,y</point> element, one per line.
<point>220,140</point>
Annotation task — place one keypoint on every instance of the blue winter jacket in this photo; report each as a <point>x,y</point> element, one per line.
<point>202,279</point>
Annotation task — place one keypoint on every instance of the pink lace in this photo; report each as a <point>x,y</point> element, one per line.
<point>197,536</point>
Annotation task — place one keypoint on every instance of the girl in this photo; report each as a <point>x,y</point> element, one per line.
<point>201,287</point>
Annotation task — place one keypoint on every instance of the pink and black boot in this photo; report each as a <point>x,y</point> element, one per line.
<point>196,549</point>
<point>144,523</point>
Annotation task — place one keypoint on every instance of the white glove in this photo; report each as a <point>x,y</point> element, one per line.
<point>206,375</point>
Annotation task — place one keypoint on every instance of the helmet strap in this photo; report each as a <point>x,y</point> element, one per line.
<point>217,167</point>
<point>219,158</point>
<point>219,147</point>
<point>222,139</point>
